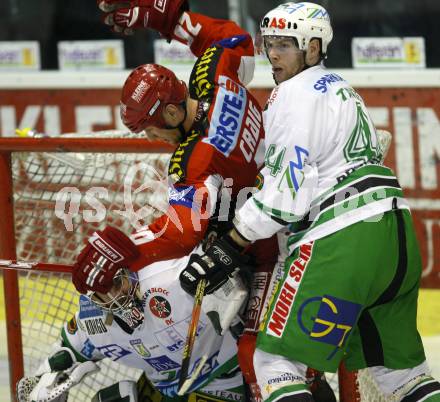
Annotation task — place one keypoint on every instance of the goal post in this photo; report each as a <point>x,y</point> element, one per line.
<point>33,173</point>
<point>10,278</point>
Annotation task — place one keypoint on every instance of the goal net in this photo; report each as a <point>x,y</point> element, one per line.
<point>59,200</point>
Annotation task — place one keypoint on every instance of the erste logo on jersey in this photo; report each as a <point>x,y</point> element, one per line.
<point>227,116</point>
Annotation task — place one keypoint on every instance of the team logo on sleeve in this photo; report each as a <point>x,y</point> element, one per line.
<point>160,307</point>
<point>328,319</point>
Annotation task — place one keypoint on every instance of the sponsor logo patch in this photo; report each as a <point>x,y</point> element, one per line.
<point>160,307</point>
<point>113,351</point>
<point>97,242</point>
<point>284,302</point>
<point>332,318</point>
<point>72,326</point>
<point>328,79</point>
<point>181,195</point>
<point>88,349</point>
<point>170,339</point>
<point>227,118</point>
<point>179,160</point>
<point>95,326</point>
<point>160,5</point>
<point>140,348</point>
<point>87,309</point>
<point>140,91</point>
<point>162,363</point>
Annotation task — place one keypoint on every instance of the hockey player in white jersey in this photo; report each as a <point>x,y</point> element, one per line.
<point>352,277</point>
<point>142,323</point>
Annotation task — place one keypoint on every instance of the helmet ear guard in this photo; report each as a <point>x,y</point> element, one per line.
<point>303,21</point>
<point>146,92</point>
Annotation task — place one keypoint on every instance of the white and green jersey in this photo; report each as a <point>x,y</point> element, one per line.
<point>156,345</point>
<point>322,171</point>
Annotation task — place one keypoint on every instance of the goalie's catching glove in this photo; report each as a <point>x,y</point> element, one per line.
<point>159,15</point>
<point>56,375</point>
<point>53,386</point>
<point>220,261</point>
<point>107,251</point>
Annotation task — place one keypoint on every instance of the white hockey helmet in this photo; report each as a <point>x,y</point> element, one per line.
<point>303,21</point>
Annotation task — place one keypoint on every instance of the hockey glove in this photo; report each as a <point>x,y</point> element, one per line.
<point>159,15</point>
<point>224,305</point>
<point>52,381</point>
<point>219,262</point>
<point>107,252</point>
<point>53,386</point>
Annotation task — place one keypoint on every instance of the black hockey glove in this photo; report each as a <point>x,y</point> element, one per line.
<point>220,261</point>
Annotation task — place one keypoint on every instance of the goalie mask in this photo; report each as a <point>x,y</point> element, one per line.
<point>123,300</point>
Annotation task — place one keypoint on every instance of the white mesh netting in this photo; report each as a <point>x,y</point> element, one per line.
<point>60,199</point>
<point>97,189</point>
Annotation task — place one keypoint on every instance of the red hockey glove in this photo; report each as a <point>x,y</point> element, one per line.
<point>159,15</point>
<point>107,252</point>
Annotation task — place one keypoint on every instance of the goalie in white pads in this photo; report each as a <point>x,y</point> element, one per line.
<point>142,323</point>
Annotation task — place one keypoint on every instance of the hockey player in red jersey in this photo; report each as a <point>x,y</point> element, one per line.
<point>216,123</point>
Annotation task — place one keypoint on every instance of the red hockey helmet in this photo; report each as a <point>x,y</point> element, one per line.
<point>147,90</point>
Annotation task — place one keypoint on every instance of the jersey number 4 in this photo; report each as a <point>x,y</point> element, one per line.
<point>360,145</point>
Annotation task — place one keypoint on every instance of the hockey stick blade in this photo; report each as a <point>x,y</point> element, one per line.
<point>34,266</point>
<point>190,338</point>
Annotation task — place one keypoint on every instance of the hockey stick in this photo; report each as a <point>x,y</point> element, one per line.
<point>34,266</point>
<point>184,382</point>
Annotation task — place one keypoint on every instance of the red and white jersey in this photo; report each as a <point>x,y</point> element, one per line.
<point>221,154</point>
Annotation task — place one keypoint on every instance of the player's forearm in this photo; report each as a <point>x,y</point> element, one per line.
<point>173,235</point>
<point>199,32</point>
<point>251,223</point>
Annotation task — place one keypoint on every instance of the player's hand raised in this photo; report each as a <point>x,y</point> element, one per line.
<point>106,252</point>
<point>159,15</point>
